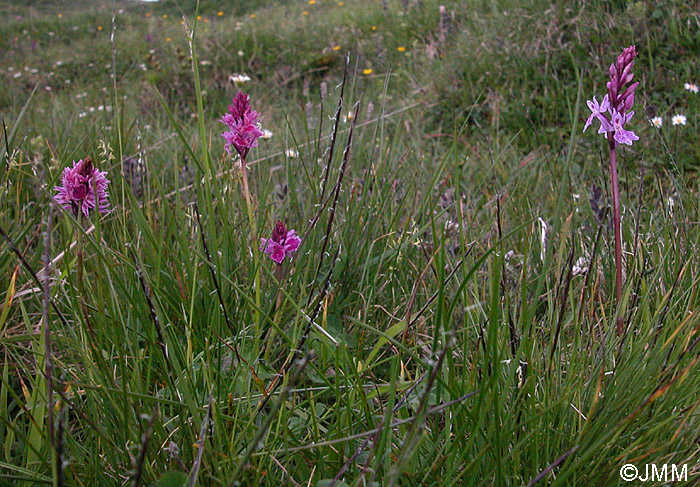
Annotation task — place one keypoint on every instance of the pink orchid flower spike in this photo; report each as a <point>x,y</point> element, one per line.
<point>281,244</point>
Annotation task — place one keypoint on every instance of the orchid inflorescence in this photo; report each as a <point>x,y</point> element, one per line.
<point>614,112</point>
<point>243,126</point>
<point>282,243</point>
<point>83,188</point>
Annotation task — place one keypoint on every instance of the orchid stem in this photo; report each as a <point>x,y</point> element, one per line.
<point>618,232</point>
<point>254,232</point>
<point>279,274</point>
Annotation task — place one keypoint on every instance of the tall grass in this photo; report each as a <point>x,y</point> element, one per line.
<point>450,316</point>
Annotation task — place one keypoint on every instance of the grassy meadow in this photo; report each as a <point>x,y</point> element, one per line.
<point>450,316</point>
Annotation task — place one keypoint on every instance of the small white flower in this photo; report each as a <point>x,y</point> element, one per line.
<point>100,108</point>
<point>47,88</point>
<point>205,63</point>
<point>580,266</point>
<point>241,53</point>
<point>91,109</point>
<point>266,134</point>
<point>292,153</point>
<point>58,63</point>
<point>450,225</point>
<point>678,119</point>
<point>239,78</point>
<point>82,114</point>
<point>17,74</point>
<point>10,68</point>
<point>657,122</point>
<point>692,87</point>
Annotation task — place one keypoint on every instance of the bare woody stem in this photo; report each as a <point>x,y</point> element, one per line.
<point>618,232</point>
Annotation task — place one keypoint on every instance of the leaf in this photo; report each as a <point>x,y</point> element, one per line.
<point>327,482</point>
<point>383,340</point>
<point>8,300</point>
<point>172,479</point>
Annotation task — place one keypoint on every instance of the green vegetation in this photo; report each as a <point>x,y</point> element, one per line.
<point>449,318</point>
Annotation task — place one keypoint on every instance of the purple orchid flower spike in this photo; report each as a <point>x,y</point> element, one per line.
<point>619,100</point>
<point>83,188</point>
<point>281,244</point>
<point>243,127</point>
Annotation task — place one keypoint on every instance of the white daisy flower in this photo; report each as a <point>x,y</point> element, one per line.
<point>239,78</point>
<point>692,87</point>
<point>292,153</point>
<point>657,122</point>
<point>679,119</point>
<point>266,134</point>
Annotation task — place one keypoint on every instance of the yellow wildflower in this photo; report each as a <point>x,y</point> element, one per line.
<point>367,71</point>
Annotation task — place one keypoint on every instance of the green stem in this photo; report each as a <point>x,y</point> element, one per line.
<point>256,252</point>
<point>279,273</point>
